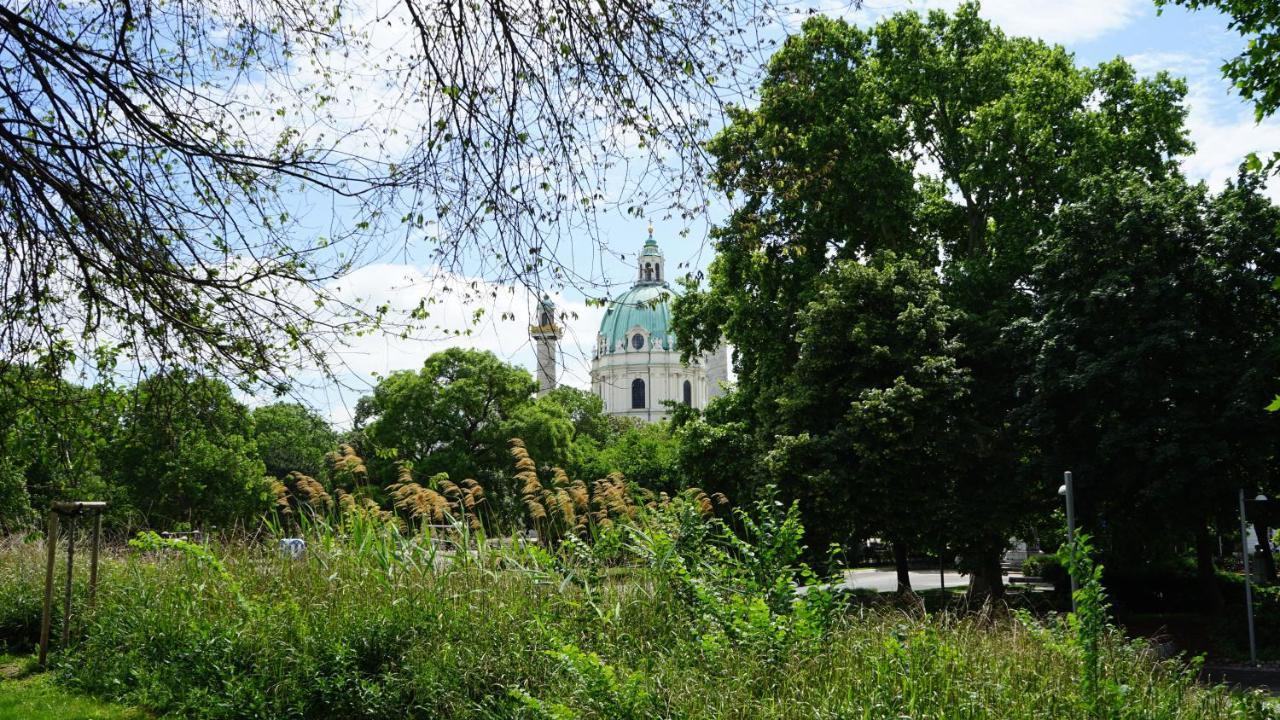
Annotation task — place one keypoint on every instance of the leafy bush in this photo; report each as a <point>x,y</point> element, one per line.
<point>1048,568</point>
<point>740,589</point>
<point>1089,620</point>
<point>597,687</point>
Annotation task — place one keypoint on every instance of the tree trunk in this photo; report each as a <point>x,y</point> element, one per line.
<point>900,562</point>
<point>1211,597</point>
<point>987,579</point>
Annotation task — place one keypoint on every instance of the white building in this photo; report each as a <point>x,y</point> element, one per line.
<point>635,366</point>
<point>546,337</point>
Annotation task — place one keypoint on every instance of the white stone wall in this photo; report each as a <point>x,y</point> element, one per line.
<point>717,363</point>
<point>663,374</point>
<point>545,351</point>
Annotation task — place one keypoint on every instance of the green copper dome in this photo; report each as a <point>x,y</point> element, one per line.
<point>644,306</point>
<point>641,315</point>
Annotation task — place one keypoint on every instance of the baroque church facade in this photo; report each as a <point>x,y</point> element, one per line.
<point>635,364</point>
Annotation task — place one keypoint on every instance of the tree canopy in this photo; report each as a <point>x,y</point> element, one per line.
<point>292,438</point>
<point>185,454</point>
<point>452,416</point>
<point>1155,334</point>
<point>873,406</point>
<point>946,141</point>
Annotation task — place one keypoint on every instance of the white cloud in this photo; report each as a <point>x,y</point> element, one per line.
<point>1057,21</point>
<point>1180,64</point>
<point>1223,139</point>
<point>463,312</point>
<point>1220,123</point>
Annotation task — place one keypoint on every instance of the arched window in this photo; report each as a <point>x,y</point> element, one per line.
<point>688,393</point>
<point>637,341</point>
<point>637,394</point>
<point>648,271</point>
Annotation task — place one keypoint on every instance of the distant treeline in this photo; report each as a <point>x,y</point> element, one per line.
<point>178,450</point>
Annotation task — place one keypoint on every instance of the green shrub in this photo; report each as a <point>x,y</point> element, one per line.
<point>1230,630</point>
<point>372,625</point>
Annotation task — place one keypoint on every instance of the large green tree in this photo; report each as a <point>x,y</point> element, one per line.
<point>1156,332</point>
<point>586,412</point>
<point>292,438</point>
<point>947,141</point>
<point>645,453</point>
<point>455,416</point>
<point>717,451</point>
<point>874,405</point>
<point>185,454</point>
<point>52,436</point>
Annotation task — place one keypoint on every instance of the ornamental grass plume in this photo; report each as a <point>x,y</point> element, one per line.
<point>452,502</point>
<point>300,499</point>
<point>705,504</point>
<point>280,493</point>
<point>562,506</point>
<point>309,490</point>
<point>346,465</point>
<point>359,508</point>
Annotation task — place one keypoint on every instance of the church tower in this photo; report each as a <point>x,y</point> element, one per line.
<point>649,269</point>
<point>636,369</point>
<point>546,336</point>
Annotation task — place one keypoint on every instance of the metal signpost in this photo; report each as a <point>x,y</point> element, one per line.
<point>71,511</point>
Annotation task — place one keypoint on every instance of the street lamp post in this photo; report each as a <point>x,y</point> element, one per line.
<point>1068,491</point>
<point>1248,581</point>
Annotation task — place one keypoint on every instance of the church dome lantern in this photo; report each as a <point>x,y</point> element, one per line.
<point>639,320</point>
<point>649,269</point>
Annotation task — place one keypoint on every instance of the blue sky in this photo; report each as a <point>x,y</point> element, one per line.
<point>1188,44</point>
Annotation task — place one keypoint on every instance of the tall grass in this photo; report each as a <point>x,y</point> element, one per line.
<point>630,605</point>
<point>377,623</point>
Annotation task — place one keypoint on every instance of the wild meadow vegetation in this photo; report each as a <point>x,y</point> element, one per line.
<point>955,263</point>
<point>633,605</point>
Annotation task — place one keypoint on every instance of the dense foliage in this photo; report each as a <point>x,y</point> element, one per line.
<point>186,454</point>
<point>1156,340</point>
<point>292,438</point>
<point>971,154</point>
<point>178,450</point>
<point>679,618</point>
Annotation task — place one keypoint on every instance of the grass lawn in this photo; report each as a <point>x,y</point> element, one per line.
<point>26,694</point>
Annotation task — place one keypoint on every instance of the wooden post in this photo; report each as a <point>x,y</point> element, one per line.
<point>46,619</point>
<point>71,510</point>
<point>93,558</point>
<point>66,598</point>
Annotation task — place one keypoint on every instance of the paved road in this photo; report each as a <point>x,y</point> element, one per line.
<point>887,580</point>
<point>1265,679</point>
